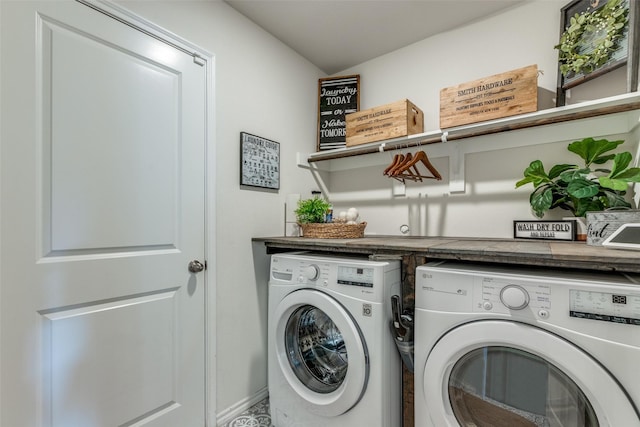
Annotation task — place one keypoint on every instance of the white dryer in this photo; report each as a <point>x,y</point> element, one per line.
<point>332,359</point>
<point>505,346</point>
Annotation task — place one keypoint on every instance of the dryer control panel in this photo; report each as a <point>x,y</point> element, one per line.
<point>501,295</point>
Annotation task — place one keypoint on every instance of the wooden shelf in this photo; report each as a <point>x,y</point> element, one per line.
<point>609,116</point>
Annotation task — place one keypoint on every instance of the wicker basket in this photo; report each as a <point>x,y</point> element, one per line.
<point>333,230</point>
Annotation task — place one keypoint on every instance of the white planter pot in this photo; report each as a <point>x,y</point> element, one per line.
<point>581,227</point>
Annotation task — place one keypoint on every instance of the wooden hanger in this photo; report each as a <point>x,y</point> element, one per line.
<point>406,159</point>
<point>408,168</point>
<point>397,159</point>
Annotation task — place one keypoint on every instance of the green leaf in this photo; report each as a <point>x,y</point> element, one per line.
<point>573,174</point>
<point>591,150</point>
<point>603,170</point>
<point>611,4</point>
<point>583,206</point>
<point>583,188</point>
<point>541,201</point>
<point>615,200</point>
<point>630,175</point>
<point>603,159</point>
<point>535,174</point>
<point>614,184</point>
<point>620,163</point>
<point>558,169</point>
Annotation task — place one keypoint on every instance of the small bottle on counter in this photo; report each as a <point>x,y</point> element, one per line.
<point>329,215</point>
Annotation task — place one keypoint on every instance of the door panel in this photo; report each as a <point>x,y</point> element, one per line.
<point>141,365</point>
<point>125,176</point>
<point>103,208</point>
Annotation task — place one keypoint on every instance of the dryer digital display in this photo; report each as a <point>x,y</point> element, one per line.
<point>355,276</point>
<point>606,307</point>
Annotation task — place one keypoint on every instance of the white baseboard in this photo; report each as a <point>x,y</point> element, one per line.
<point>238,408</point>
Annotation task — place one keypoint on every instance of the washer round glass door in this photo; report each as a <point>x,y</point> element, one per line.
<point>316,349</point>
<point>504,374</point>
<point>321,351</point>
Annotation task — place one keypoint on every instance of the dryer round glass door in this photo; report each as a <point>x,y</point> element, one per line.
<point>505,386</point>
<point>503,374</point>
<point>321,351</point>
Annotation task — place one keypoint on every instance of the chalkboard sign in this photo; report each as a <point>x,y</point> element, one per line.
<point>337,96</point>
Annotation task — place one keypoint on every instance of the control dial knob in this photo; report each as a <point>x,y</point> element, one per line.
<point>311,272</point>
<point>514,297</point>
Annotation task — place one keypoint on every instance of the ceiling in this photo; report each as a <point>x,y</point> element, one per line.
<point>338,34</point>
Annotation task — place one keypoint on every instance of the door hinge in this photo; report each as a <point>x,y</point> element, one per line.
<point>198,60</point>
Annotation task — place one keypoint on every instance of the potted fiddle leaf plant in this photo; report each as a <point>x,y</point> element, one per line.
<point>582,188</point>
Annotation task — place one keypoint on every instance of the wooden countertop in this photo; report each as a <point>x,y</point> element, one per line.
<point>511,251</point>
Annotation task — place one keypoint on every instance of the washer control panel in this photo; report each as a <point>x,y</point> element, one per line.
<point>310,272</point>
<point>606,307</point>
<point>500,295</point>
<point>355,276</point>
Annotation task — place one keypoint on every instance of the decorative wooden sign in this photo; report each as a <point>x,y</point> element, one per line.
<point>546,230</point>
<point>502,95</point>
<point>259,162</point>
<point>337,97</point>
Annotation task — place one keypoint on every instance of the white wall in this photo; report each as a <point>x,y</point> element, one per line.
<point>522,36</point>
<point>264,88</point>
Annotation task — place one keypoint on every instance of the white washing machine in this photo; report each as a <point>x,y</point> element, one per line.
<point>505,346</point>
<point>332,359</point>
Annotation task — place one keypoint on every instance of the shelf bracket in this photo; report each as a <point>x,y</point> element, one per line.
<point>301,160</point>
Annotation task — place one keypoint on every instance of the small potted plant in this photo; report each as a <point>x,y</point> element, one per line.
<point>580,189</point>
<point>312,210</point>
<point>311,215</point>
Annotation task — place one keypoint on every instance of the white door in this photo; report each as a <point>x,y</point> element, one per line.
<point>103,151</point>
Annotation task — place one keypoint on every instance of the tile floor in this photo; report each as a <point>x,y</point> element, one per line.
<point>256,416</point>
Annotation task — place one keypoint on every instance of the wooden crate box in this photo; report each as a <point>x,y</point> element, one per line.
<point>502,95</point>
<point>400,118</point>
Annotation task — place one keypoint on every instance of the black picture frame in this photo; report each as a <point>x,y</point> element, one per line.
<point>627,54</point>
<point>259,162</point>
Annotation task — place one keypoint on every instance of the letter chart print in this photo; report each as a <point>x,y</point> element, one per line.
<point>260,162</point>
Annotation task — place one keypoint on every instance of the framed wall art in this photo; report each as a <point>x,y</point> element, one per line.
<point>259,162</point>
<point>596,37</point>
<point>337,97</point>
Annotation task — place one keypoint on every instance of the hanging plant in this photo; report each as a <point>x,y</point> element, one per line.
<point>591,37</point>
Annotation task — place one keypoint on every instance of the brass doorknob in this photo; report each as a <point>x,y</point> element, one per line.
<point>196,266</point>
